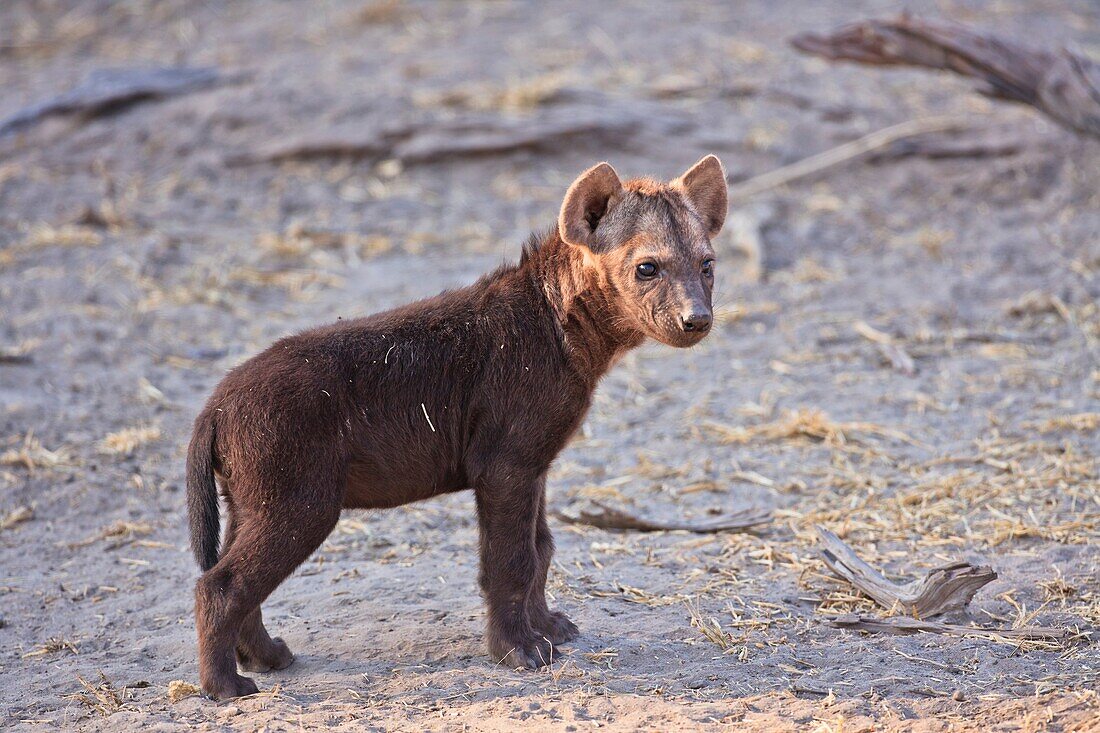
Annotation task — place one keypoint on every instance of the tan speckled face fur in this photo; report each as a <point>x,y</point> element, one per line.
<point>650,243</point>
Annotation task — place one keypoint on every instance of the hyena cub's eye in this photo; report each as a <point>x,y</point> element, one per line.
<point>647,271</point>
<point>708,268</point>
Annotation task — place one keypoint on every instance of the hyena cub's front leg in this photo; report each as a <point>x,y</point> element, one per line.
<point>554,625</point>
<point>513,572</point>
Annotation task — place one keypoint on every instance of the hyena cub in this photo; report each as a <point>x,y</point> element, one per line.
<point>477,388</point>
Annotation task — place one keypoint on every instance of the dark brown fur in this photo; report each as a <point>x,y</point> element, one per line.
<point>477,388</point>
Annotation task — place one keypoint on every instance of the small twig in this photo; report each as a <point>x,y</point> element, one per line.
<point>948,667</point>
<point>798,689</point>
<point>11,357</point>
<point>842,153</point>
<point>600,515</point>
<point>888,347</point>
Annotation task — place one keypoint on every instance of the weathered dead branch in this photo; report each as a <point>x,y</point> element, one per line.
<point>908,625</point>
<point>465,136</point>
<point>944,589</point>
<point>1063,85</point>
<point>598,514</point>
<point>842,154</point>
<point>977,144</point>
<point>106,91</point>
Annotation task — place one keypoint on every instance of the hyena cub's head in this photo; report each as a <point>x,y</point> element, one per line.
<point>650,245</point>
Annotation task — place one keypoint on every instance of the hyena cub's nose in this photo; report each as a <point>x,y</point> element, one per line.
<point>695,321</point>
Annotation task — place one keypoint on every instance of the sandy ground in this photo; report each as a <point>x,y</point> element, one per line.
<point>144,253</point>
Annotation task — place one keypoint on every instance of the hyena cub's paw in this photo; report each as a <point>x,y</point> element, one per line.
<point>275,656</point>
<point>230,687</point>
<point>531,652</point>
<point>556,627</point>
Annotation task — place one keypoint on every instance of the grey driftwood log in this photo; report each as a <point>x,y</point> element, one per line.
<point>1061,84</point>
<point>905,625</point>
<point>106,91</point>
<point>945,588</point>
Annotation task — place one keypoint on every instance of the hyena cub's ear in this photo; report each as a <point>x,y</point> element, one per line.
<point>704,187</point>
<point>586,202</point>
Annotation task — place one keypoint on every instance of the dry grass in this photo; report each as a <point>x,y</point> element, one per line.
<point>16,516</point>
<point>517,95</point>
<point>294,282</point>
<point>125,442</point>
<point>710,629</point>
<point>1011,490</point>
<point>68,235</point>
<point>1008,490</point>
<point>806,424</point>
<point>603,658</point>
<point>118,534</point>
<point>179,690</point>
<point>1082,422</point>
<point>633,594</point>
<point>1056,589</point>
<point>20,353</point>
<point>749,626</point>
<point>102,697</point>
<point>53,645</point>
<point>42,37</point>
<point>32,455</point>
<point>225,284</point>
<point>999,531</point>
<point>1088,607</point>
<point>299,241</point>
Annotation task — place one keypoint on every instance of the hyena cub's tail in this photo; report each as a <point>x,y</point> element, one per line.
<point>202,493</point>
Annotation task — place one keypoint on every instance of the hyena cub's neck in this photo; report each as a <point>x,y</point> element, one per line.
<point>594,330</point>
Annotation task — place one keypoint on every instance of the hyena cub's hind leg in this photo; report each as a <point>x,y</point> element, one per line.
<point>264,550</point>
<point>256,650</point>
